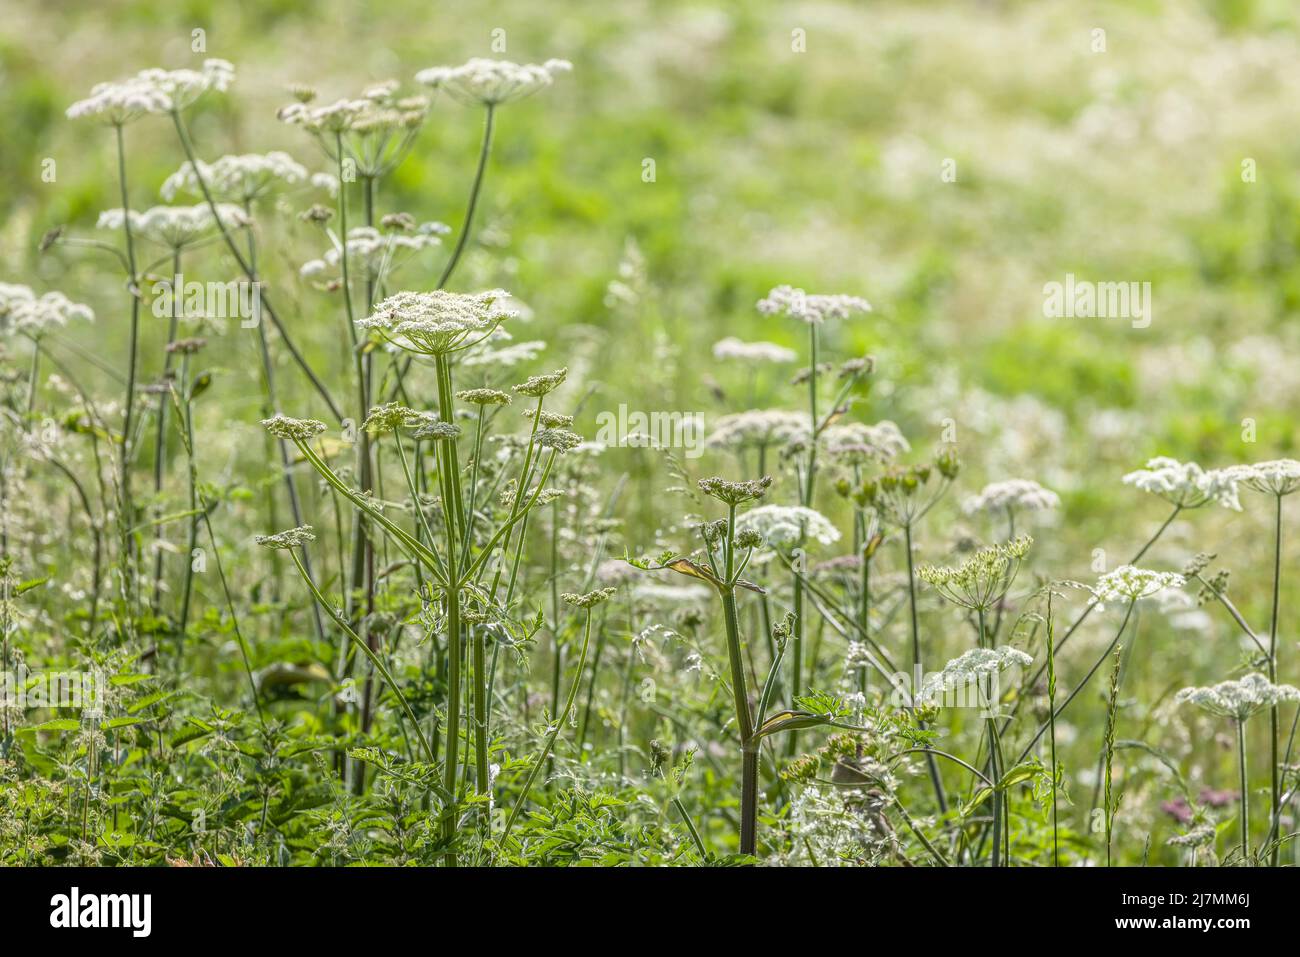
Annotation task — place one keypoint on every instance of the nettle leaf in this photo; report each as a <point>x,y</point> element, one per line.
<point>29,585</point>
<point>57,724</point>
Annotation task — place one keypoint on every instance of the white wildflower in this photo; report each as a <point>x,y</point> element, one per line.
<point>243,178</point>
<point>1023,494</point>
<point>881,442</point>
<point>1279,477</point>
<point>1128,583</point>
<point>785,525</point>
<point>176,227</point>
<point>1185,484</point>
<point>436,323</point>
<point>1239,699</point>
<point>24,312</point>
<point>797,304</point>
<point>733,348</point>
<point>971,668</point>
<point>492,82</point>
<point>152,91</point>
<point>758,427</point>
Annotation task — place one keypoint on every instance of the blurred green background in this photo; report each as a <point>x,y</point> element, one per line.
<point>1169,156</point>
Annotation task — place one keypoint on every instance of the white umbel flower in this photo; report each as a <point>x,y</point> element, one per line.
<point>1239,699</point>
<point>176,226</point>
<point>971,668</point>
<point>881,442</point>
<point>243,178</point>
<point>439,322</point>
<point>784,525</point>
<point>1279,477</point>
<point>797,304</point>
<point>733,348</point>
<point>1018,494</point>
<point>758,427</point>
<point>376,252</point>
<point>492,82</point>
<point>1128,583</point>
<point>1185,484</point>
<point>24,312</point>
<point>152,91</point>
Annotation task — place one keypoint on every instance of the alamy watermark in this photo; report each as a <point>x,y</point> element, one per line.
<point>25,690</point>
<point>659,430</point>
<point>1083,299</point>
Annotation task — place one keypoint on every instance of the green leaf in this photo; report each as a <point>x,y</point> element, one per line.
<point>58,724</point>
<point>789,721</point>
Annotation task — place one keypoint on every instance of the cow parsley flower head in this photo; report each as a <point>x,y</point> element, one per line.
<point>286,427</point>
<point>484,397</point>
<point>1128,583</point>
<point>1013,494</point>
<point>25,313</point>
<point>591,599</point>
<point>858,442</point>
<point>243,178</point>
<point>390,417</point>
<point>375,253</point>
<point>733,348</point>
<point>784,525</point>
<point>292,538</point>
<point>1185,484</point>
<point>375,129</point>
<point>540,385</point>
<point>1279,477</point>
<point>1239,699</point>
<point>797,304</point>
<point>735,493</point>
<point>176,227</point>
<point>981,580</point>
<point>438,430</point>
<point>561,440</point>
<point>152,91</point>
<point>439,322</point>
<point>758,427</point>
<point>971,670</point>
<point>492,82</point>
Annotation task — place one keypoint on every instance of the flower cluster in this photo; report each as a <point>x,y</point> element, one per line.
<point>970,669</point>
<point>733,348</point>
<point>176,227</point>
<point>376,253</point>
<point>758,428</point>
<point>1239,699</point>
<point>735,493</point>
<point>286,427</point>
<point>784,525</point>
<point>1279,477</point>
<point>243,178</point>
<point>1128,583</point>
<point>797,304</point>
<point>981,580</point>
<point>1185,484</point>
<point>24,312</point>
<point>1013,494</point>
<point>439,322</point>
<point>152,91</point>
<point>492,82</point>
<point>293,538</point>
<point>858,442</point>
